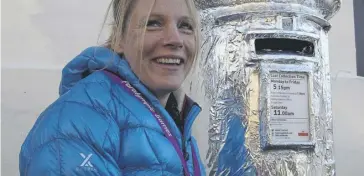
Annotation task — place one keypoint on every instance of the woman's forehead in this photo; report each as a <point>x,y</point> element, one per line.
<point>176,8</point>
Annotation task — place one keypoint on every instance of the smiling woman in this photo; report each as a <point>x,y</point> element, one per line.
<point>164,32</point>
<point>121,110</point>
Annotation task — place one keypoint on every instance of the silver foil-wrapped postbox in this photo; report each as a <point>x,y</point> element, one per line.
<point>263,81</point>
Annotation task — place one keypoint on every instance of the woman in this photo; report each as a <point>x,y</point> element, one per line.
<point>121,111</point>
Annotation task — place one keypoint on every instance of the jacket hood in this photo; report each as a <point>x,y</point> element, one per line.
<point>94,59</point>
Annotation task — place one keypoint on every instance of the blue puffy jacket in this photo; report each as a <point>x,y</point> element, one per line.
<point>96,128</point>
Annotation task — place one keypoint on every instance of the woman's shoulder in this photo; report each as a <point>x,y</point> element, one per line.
<point>87,101</point>
<point>96,83</point>
<point>98,93</point>
<point>90,109</point>
<point>84,113</point>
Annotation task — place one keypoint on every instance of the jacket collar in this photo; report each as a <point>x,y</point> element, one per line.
<point>180,96</point>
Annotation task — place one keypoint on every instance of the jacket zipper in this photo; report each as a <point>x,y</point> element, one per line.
<point>184,145</point>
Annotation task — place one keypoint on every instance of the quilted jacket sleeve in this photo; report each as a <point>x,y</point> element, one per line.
<point>71,138</point>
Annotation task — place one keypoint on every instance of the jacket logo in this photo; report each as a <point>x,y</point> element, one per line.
<point>86,162</point>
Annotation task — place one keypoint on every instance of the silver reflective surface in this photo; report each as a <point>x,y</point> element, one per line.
<point>234,77</point>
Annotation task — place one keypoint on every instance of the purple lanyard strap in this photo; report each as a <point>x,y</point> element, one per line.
<point>131,90</point>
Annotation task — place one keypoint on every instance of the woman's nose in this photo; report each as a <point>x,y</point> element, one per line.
<point>172,37</point>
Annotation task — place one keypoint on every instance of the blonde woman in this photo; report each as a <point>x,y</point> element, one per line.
<point>120,110</point>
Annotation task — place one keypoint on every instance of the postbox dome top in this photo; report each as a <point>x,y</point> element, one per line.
<point>324,8</point>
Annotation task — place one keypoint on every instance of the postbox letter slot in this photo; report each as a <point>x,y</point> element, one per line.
<point>284,46</point>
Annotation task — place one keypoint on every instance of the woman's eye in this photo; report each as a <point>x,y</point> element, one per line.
<point>153,23</point>
<point>187,27</point>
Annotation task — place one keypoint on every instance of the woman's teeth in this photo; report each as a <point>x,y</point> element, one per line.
<point>168,61</point>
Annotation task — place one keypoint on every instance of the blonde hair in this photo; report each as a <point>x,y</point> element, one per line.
<point>121,12</point>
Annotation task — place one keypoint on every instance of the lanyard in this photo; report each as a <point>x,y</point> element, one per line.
<point>131,90</point>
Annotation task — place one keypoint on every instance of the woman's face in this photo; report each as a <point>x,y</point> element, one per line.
<point>163,55</point>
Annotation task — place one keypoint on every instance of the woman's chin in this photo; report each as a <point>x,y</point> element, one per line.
<point>169,86</point>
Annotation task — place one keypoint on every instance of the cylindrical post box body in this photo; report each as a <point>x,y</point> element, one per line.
<point>263,81</point>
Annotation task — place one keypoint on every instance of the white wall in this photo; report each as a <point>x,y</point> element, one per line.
<point>348,100</point>
<point>40,36</point>
<point>46,34</point>
<point>347,94</point>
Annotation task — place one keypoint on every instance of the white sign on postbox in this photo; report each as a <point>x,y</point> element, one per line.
<point>289,107</point>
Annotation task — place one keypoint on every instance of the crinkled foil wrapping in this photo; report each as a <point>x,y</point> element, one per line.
<point>232,86</point>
